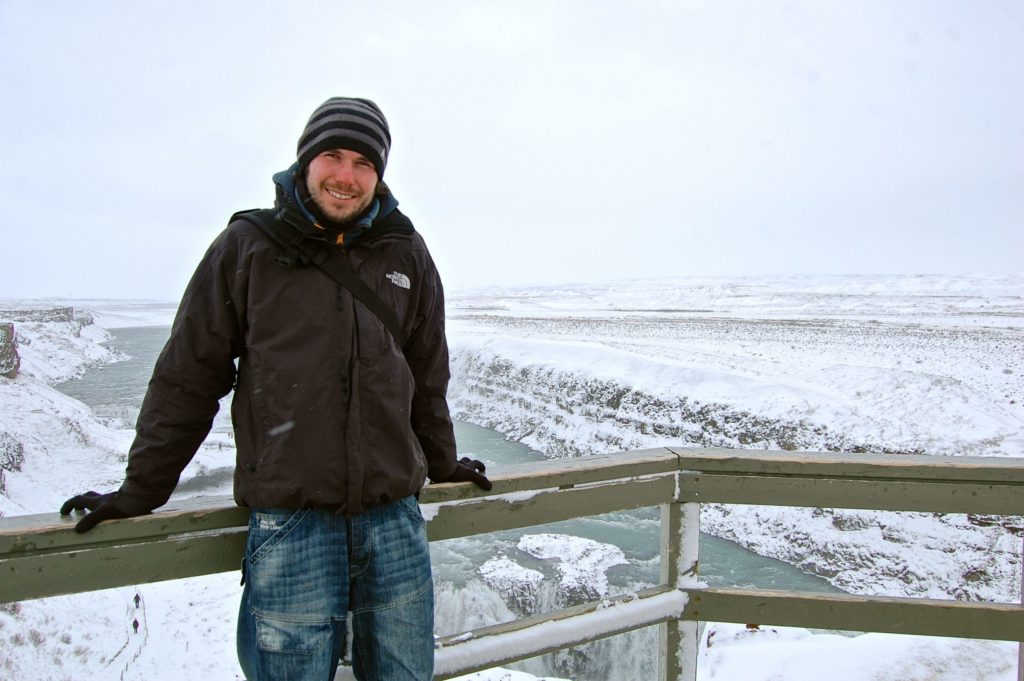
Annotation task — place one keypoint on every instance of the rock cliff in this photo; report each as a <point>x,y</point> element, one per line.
<point>9,360</point>
<point>36,313</point>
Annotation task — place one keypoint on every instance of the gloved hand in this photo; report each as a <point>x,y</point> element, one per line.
<point>470,470</point>
<point>101,507</point>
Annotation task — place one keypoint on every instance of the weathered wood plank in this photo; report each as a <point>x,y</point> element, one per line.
<point>892,495</point>
<point>560,473</point>
<point>39,533</point>
<point>36,533</point>
<point>1009,471</point>
<point>467,518</point>
<point>57,573</point>
<point>183,542</point>
<point>995,621</point>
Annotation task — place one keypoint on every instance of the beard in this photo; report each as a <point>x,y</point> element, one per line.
<point>340,210</point>
<point>335,209</point>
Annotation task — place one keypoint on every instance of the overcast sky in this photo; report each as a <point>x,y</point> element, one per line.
<point>534,142</point>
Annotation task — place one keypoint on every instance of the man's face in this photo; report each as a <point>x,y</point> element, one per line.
<point>341,183</point>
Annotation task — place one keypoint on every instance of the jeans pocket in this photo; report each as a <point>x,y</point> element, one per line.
<point>412,508</point>
<point>268,528</point>
<point>288,636</point>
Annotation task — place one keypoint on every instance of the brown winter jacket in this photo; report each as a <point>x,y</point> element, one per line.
<point>328,412</point>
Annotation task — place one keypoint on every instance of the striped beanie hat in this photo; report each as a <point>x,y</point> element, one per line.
<point>347,123</point>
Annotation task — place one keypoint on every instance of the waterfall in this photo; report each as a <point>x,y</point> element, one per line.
<point>632,655</point>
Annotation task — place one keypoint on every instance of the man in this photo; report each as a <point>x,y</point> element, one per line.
<point>339,418</point>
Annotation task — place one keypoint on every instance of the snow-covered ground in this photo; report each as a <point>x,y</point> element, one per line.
<point>900,364</point>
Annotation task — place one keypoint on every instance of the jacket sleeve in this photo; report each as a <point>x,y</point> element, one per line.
<point>426,352</point>
<point>193,371</point>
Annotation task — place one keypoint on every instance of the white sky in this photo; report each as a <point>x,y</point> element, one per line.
<point>534,142</point>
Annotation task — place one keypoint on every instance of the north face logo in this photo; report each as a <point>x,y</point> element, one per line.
<point>399,279</point>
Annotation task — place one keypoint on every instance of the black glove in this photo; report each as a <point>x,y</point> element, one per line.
<point>470,470</point>
<point>101,507</point>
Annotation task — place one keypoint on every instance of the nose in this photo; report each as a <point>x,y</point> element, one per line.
<point>345,171</point>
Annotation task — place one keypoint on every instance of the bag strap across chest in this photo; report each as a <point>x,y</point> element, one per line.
<point>302,251</point>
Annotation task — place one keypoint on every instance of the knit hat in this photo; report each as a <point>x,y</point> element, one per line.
<point>347,123</point>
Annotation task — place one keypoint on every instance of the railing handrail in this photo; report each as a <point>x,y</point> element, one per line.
<point>40,555</point>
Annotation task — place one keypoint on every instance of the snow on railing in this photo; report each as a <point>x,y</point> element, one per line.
<point>502,644</point>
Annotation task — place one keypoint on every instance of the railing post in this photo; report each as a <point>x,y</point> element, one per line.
<point>680,537</point>
<point>1020,646</point>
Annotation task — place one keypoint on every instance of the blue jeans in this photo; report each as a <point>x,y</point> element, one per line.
<point>305,570</point>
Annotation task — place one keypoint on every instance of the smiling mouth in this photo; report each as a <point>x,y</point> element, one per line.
<point>341,196</point>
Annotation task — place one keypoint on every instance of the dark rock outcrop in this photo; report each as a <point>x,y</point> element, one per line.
<point>38,314</point>
<point>12,453</point>
<point>9,360</point>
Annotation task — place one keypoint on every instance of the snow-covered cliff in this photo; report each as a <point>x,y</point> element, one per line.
<point>50,443</point>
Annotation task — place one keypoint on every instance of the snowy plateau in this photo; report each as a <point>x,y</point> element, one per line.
<point>897,364</point>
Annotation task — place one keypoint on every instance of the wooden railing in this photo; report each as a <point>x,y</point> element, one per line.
<point>40,555</point>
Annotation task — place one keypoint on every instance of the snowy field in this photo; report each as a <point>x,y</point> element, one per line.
<point>928,365</point>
